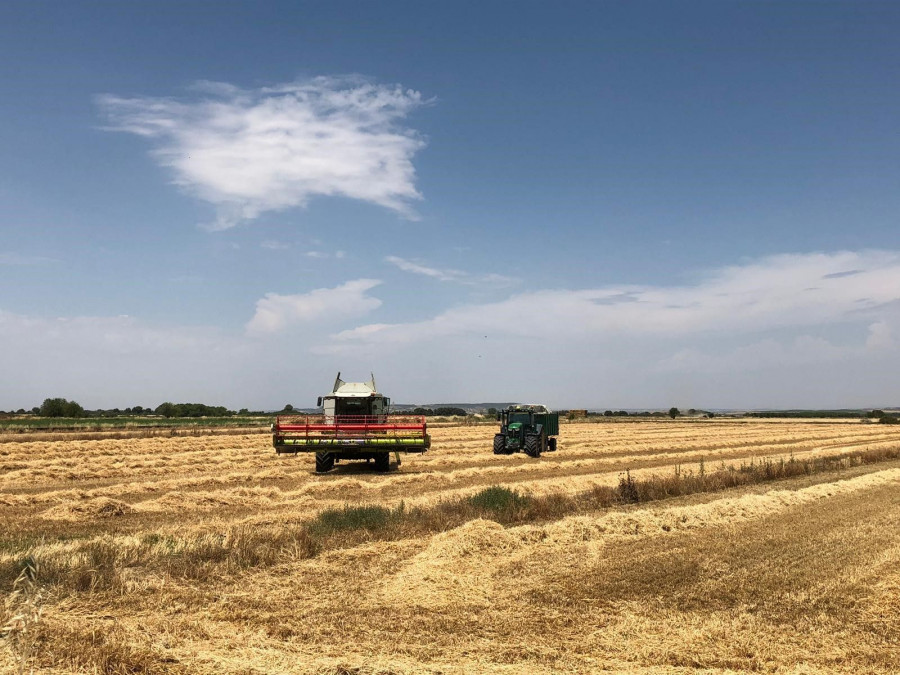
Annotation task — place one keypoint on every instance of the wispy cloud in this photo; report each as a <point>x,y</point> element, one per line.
<point>276,312</point>
<point>772,293</point>
<point>324,255</point>
<point>273,245</point>
<point>880,337</point>
<point>113,335</point>
<point>451,275</point>
<point>838,275</point>
<point>758,355</point>
<point>251,151</point>
<point>19,259</point>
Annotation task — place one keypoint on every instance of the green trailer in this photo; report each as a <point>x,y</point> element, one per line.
<point>531,429</point>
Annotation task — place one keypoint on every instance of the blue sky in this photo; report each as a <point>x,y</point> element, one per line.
<point>586,204</point>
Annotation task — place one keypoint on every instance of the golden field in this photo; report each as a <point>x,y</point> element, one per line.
<point>199,554</point>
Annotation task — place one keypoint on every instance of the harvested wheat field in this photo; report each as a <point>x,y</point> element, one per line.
<point>701,546</point>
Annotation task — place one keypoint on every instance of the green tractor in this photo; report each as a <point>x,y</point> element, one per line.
<point>531,429</point>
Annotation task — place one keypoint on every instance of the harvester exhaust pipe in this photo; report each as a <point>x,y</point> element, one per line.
<point>338,383</point>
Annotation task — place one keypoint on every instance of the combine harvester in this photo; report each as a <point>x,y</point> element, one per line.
<point>356,424</point>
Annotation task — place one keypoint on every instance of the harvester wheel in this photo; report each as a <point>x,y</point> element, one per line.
<point>324,462</point>
<point>383,461</point>
<point>533,446</point>
<point>499,444</point>
<point>551,445</point>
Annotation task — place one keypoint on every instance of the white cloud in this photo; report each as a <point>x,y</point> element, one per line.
<point>252,151</point>
<point>120,335</point>
<point>880,336</point>
<point>451,275</point>
<point>19,259</point>
<point>274,245</point>
<point>276,312</point>
<point>767,353</point>
<point>772,293</point>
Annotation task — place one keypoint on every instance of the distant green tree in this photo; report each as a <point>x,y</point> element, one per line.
<point>607,413</point>
<point>243,411</point>
<point>288,408</point>
<point>60,407</point>
<point>166,409</point>
<point>674,412</point>
<point>492,412</point>
<point>876,414</point>
<point>72,409</point>
<point>53,407</point>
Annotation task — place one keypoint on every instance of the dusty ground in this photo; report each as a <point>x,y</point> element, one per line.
<point>799,576</point>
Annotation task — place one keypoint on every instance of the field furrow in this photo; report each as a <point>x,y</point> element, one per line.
<point>190,554</point>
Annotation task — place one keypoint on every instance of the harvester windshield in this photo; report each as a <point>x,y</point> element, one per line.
<point>355,406</point>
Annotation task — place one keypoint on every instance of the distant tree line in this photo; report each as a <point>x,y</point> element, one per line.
<point>61,407</point>
<point>672,412</point>
<point>831,414</point>
<point>883,417</point>
<point>443,411</point>
<point>168,409</point>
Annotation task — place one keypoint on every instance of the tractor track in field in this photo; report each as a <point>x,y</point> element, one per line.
<point>202,480</point>
<point>186,555</point>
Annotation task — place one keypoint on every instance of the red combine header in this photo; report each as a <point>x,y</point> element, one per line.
<point>355,424</point>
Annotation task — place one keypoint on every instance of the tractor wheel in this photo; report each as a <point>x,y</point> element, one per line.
<point>324,462</point>
<point>383,461</point>
<point>533,446</point>
<point>551,445</point>
<point>499,444</point>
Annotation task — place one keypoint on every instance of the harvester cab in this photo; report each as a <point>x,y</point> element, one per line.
<point>354,399</point>
<point>531,429</point>
<point>355,423</point>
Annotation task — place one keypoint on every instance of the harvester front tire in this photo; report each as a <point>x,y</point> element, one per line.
<point>383,461</point>
<point>533,446</point>
<point>499,444</point>
<point>551,445</point>
<point>324,462</point>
